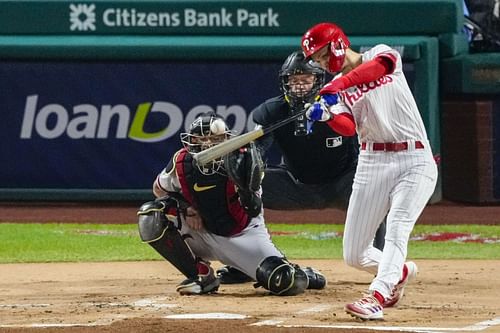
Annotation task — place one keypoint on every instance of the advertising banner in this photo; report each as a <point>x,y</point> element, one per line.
<point>211,17</point>
<point>114,125</point>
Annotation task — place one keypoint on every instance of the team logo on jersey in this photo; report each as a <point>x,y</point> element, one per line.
<point>333,142</point>
<point>352,96</point>
<point>199,188</point>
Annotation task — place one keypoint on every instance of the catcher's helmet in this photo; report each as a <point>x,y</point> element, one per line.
<point>206,131</point>
<point>324,34</point>
<point>296,64</point>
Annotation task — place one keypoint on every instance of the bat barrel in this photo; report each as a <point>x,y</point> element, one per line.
<point>226,147</point>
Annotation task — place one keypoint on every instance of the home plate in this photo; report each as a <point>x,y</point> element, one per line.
<point>211,315</point>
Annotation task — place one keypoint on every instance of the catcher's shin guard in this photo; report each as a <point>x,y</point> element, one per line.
<point>163,236</point>
<point>281,277</point>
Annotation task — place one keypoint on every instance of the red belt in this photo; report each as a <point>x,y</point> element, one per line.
<point>391,146</point>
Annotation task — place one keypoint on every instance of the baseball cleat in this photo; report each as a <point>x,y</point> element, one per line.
<point>367,308</point>
<point>410,271</point>
<point>231,275</point>
<point>195,287</point>
<point>204,283</point>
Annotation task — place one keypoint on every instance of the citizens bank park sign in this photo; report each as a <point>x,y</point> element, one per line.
<point>154,17</point>
<point>83,17</point>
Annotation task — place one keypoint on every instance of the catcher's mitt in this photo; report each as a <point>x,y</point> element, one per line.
<point>245,168</point>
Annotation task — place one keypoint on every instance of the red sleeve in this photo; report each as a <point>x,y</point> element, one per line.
<point>369,71</point>
<point>343,124</point>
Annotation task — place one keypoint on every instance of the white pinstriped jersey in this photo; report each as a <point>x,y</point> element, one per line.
<point>392,184</point>
<point>384,110</point>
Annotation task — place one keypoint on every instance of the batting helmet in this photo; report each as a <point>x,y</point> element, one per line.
<point>205,131</point>
<point>324,34</point>
<point>296,64</point>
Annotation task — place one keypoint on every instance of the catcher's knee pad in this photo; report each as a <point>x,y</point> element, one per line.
<point>281,277</point>
<point>152,220</point>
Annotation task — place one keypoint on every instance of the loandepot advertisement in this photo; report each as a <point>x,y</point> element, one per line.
<point>114,125</point>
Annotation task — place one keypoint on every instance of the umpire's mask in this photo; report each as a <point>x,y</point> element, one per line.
<point>300,82</point>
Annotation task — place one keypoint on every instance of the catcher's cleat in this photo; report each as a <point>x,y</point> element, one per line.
<point>231,275</point>
<point>315,278</point>
<point>410,271</point>
<point>367,308</point>
<point>205,283</point>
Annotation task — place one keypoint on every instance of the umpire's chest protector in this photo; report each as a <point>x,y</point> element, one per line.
<point>214,196</point>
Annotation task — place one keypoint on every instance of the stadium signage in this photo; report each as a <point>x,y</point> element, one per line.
<point>84,17</point>
<point>87,121</point>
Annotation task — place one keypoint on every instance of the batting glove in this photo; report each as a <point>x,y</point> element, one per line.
<point>319,111</point>
<point>330,99</point>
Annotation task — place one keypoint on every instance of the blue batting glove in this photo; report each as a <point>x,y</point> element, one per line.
<point>318,111</point>
<point>330,99</point>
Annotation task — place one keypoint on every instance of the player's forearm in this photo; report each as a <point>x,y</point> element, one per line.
<point>343,124</point>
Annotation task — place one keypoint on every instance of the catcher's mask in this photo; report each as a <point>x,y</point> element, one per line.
<point>300,79</point>
<point>324,34</point>
<point>206,131</point>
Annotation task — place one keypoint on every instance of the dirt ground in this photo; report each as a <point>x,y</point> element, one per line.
<point>448,296</point>
<point>140,296</point>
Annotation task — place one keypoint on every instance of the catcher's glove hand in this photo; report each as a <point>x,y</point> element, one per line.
<point>245,168</point>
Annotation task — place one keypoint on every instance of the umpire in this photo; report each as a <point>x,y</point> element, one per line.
<point>317,164</point>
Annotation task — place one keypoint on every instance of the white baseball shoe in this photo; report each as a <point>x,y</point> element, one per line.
<point>410,271</point>
<point>367,308</point>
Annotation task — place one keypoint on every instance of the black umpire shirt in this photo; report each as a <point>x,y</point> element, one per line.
<point>319,157</point>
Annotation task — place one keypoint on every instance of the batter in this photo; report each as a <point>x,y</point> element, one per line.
<point>396,173</point>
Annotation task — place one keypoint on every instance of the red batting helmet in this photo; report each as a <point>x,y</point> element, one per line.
<point>323,34</point>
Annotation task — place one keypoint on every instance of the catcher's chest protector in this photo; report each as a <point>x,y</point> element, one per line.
<point>214,196</point>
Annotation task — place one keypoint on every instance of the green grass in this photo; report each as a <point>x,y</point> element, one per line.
<point>71,242</point>
<point>301,246</point>
<point>92,242</point>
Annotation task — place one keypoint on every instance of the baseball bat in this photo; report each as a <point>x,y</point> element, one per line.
<point>212,153</point>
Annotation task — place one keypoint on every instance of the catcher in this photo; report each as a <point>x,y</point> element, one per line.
<point>214,212</point>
